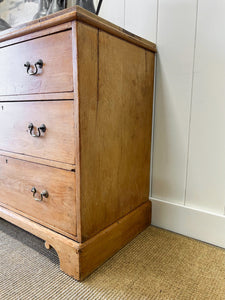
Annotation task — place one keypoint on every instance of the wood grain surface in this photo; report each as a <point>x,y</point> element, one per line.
<point>36,34</point>
<point>115,127</point>
<point>41,161</point>
<point>56,144</point>
<point>113,238</point>
<point>55,76</point>
<point>38,97</point>
<point>17,178</point>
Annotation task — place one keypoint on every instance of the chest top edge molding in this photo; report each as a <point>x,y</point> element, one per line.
<point>73,14</point>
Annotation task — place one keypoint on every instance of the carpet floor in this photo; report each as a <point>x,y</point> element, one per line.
<point>157,264</point>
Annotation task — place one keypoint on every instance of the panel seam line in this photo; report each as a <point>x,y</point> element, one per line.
<point>191,102</point>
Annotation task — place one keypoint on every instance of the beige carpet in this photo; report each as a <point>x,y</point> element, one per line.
<point>156,265</point>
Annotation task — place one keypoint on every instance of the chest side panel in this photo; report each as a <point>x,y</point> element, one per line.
<point>115,127</point>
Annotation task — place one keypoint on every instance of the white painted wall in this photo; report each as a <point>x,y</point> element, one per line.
<point>188,165</point>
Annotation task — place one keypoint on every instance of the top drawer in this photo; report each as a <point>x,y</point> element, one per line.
<point>56,75</point>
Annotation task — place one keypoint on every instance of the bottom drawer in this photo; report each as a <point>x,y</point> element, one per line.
<point>54,209</point>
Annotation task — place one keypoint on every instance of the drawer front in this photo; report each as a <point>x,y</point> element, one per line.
<point>56,74</point>
<point>56,143</point>
<point>17,178</point>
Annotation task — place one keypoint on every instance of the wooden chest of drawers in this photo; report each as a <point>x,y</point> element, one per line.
<point>75,135</point>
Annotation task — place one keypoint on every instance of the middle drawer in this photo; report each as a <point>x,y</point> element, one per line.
<point>43,129</point>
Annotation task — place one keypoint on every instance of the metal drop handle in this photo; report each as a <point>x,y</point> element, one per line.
<point>38,65</point>
<point>43,194</point>
<point>41,129</point>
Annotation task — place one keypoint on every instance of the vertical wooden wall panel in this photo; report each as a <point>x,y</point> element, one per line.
<point>141,18</point>
<point>175,42</point>
<point>206,172</point>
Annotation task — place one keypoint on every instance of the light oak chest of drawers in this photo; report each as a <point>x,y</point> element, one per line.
<point>75,135</point>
